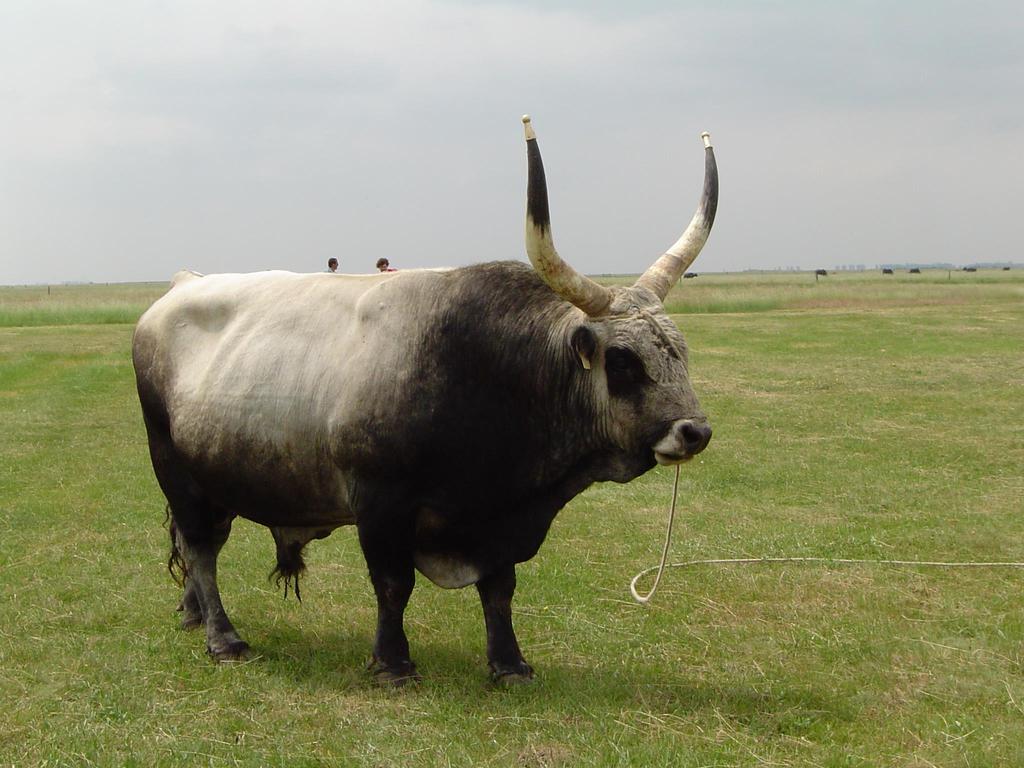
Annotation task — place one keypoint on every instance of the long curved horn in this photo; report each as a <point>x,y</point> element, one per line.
<point>578,289</point>
<point>666,271</point>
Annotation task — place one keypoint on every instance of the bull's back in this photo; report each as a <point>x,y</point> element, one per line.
<point>252,374</point>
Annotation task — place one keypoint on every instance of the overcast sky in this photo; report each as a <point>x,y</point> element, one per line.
<point>138,137</point>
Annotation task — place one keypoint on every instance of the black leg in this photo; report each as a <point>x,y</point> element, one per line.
<point>199,549</point>
<point>391,662</point>
<point>387,541</point>
<point>199,529</point>
<point>503,654</point>
<point>191,610</point>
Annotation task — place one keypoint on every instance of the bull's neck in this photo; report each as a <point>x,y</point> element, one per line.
<point>574,428</point>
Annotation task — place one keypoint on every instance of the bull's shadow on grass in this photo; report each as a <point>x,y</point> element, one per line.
<point>457,674</point>
<point>337,660</point>
<point>334,659</point>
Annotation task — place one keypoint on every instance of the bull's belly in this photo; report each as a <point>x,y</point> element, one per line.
<point>445,552</point>
<point>277,496</point>
<point>274,471</point>
<point>296,505</point>
<point>299,517</point>
<point>446,570</point>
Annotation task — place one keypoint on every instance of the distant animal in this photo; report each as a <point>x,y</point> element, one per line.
<point>1006,269</point>
<point>915,271</point>
<point>689,275</point>
<point>447,415</point>
<point>886,271</point>
<point>822,272</point>
<point>970,269</point>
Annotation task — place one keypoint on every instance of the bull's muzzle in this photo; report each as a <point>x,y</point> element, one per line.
<point>685,439</point>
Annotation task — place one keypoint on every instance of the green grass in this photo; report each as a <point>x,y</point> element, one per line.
<point>767,291</point>
<point>76,304</point>
<point>858,418</point>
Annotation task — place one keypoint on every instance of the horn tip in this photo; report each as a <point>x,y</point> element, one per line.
<point>707,139</point>
<point>528,128</point>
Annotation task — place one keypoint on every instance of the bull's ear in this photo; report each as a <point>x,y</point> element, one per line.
<point>584,344</point>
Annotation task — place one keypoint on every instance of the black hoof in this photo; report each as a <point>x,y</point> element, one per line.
<point>192,618</point>
<point>237,650</point>
<point>394,675</point>
<point>512,675</point>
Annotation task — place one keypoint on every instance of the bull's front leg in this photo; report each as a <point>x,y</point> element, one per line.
<point>388,550</point>
<point>503,654</point>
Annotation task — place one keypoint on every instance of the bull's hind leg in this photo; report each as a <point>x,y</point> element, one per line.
<point>199,539</point>
<point>189,607</point>
<point>191,610</point>
<point>198,531</point>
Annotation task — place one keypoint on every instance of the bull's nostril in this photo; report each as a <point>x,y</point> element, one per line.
<point>695,436</point>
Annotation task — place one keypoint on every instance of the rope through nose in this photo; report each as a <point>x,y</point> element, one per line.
<point>643,599</point>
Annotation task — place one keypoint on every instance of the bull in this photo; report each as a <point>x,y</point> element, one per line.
<point>448,415</point>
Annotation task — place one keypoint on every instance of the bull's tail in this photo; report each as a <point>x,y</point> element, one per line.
<point>175,562</point>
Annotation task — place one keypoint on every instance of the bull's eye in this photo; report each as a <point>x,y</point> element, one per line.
<point>624,369</point>
<point>620,360</point>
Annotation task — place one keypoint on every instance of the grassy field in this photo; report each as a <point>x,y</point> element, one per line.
<point>35,305</point>
<point>859,416</point>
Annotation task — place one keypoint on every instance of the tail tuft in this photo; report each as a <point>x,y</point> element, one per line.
<point>175,562</point>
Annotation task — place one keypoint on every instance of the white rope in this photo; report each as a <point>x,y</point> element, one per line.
<point>660,568</point>
<point>664,552</point>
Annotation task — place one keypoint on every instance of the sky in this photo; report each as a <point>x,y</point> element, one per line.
<point>139,137</point>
